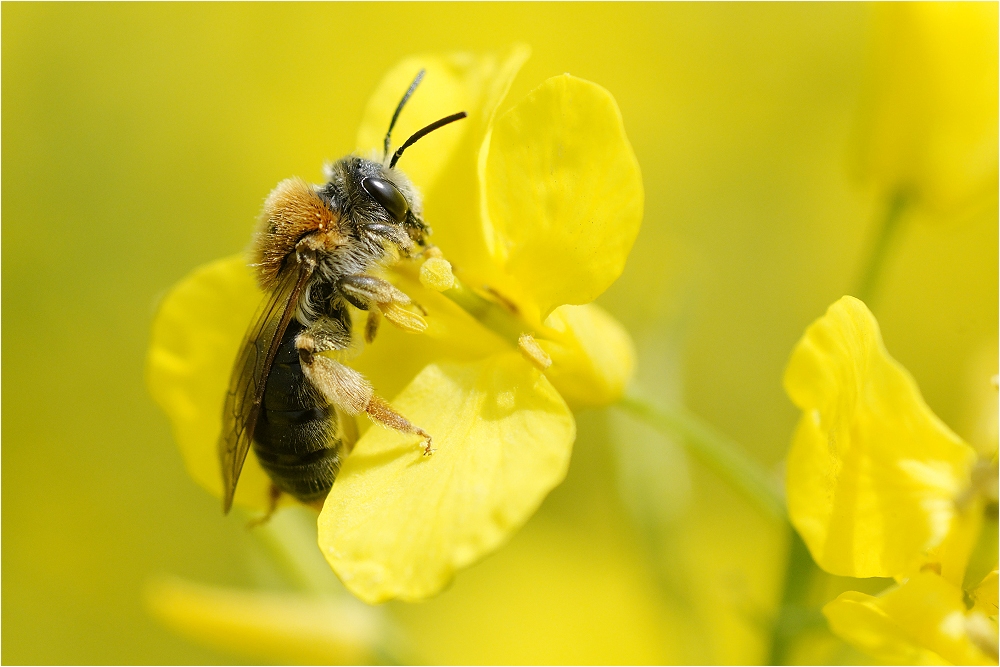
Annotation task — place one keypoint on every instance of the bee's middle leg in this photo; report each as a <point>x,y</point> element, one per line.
<point>342,385</point>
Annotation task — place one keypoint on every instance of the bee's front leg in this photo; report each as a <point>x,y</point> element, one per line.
<point>342,385</point>
<point>377,295</point>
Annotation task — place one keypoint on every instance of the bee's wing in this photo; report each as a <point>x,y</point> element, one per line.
<point>253,365</point>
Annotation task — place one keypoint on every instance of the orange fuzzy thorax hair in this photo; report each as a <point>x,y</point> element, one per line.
<point>292,210</point>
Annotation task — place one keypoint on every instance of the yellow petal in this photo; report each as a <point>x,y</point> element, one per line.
<point>395,357</point>
<point>950,558</point>
<point>930,124</point>
<point>563,193</point>
<point>467,82</point>
<point>444,164</point>
<point>921,622</point>
<point>196,334</point>
<point>280,627</point>
<point>592,357</point>
<point>398,524</point>
<point>984,596</point>
<point>872,473</point>
<point>981,556</point>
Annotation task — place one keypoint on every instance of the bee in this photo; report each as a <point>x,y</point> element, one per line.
<point>317,250</point>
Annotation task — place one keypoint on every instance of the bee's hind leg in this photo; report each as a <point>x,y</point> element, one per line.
<point>343,386</point>
<point>273,496</point>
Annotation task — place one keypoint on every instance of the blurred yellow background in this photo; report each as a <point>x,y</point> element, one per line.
<point>139,140</point>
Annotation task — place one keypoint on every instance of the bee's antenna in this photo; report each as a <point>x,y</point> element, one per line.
<point>419,134</point>
<point>402,102</point>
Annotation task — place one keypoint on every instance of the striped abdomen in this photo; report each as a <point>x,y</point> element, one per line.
<point>296,438</point>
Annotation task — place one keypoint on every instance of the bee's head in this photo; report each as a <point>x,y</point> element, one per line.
<point>369,193</point>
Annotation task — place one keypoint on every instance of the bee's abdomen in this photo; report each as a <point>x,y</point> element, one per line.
<point>296,434</point>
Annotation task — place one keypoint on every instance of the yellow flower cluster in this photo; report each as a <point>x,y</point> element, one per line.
<point>534,212</point>
<point>878,486</point>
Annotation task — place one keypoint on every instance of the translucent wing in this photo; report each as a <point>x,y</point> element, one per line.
<point>253,365</point>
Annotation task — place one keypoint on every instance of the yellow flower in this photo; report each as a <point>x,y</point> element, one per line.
<point>924,621</point>
<point>878,486</point>
<point>536,210</point>
<point>929,129</point>
<point>308,618</point>
<point>288,628</point>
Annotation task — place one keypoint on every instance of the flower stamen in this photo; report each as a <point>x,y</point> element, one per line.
<point>533,352</point>
<point>435,274</point>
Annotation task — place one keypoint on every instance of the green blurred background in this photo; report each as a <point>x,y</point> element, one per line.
<point>139,140</point>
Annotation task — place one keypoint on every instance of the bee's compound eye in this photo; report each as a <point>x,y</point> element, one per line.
<point>386,194</point>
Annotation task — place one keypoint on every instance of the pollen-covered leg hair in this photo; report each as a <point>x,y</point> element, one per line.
<point>392,233</point>
<point>348,389</point>
<point>341,385</point>
<point>382,412</point>
<point>368,292</point>
<point>363,290</point>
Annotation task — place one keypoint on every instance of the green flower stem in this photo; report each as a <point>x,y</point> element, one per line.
<point>290,537</point>
<point>884,240</point>
<point>795,615</point>
<point>718,453</point>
